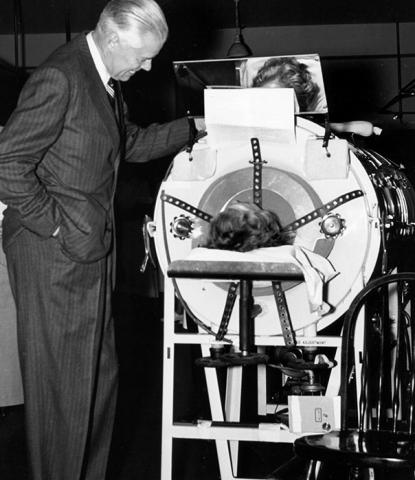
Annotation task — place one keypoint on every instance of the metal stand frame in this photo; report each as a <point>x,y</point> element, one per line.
<point>223,426</point>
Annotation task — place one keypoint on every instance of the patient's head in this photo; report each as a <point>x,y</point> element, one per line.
<point>288,72</point>
<point>245,226</point>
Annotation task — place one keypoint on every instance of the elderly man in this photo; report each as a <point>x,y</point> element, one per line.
<point>59,155</point>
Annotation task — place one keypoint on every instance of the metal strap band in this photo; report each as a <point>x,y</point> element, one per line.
<point>284,315</point>
<point>186,206</point>
<point>227,312</point>
<point>323,210</point>
<point>257,180</point>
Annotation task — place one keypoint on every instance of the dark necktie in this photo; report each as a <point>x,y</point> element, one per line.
<point>110,87</point>
<point>115,97</point>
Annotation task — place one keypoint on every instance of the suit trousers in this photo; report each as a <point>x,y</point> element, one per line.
<point>68,358</point>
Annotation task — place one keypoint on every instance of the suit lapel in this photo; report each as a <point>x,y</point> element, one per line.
<point>97,90</point>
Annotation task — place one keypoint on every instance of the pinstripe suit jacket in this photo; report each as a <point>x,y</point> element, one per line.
<point>59,153</point>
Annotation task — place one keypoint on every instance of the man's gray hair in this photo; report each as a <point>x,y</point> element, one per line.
<point>141,15</point>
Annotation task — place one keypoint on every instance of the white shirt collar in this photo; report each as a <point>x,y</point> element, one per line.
<point>96,57</point>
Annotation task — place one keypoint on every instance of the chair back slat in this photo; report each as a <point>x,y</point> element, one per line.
<point>381,370</point>
<point>397,366</point>
<point>412,379</point>
<point>364,389</point>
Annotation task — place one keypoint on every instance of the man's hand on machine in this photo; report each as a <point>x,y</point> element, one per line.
<point>200,124</point>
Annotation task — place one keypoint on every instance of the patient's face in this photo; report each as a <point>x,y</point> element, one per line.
<point>275,83</point>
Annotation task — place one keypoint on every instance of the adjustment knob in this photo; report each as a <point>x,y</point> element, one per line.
<point>332,225</point>
<point>181,227</point>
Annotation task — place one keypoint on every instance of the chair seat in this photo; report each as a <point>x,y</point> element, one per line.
<point>368,449</point>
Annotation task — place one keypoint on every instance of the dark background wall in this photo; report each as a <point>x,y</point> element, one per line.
<point>40,16</point>
<point>367,48</point>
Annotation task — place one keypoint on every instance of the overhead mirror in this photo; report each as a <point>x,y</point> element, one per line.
<point>303,73</point>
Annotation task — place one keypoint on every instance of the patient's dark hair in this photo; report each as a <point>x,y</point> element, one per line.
<point>243,227</point>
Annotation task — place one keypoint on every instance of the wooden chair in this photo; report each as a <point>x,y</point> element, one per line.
<point>377,435</point>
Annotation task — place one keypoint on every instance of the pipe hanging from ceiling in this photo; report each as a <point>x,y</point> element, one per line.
<point>238,48</point>
<point>67,18</point>
<point>19,44</point>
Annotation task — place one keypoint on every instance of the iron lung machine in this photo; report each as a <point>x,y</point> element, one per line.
<point>342,219</point>
<point>348,204</point>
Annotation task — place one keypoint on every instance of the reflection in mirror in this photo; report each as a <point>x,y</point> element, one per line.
<point>303,73</point>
